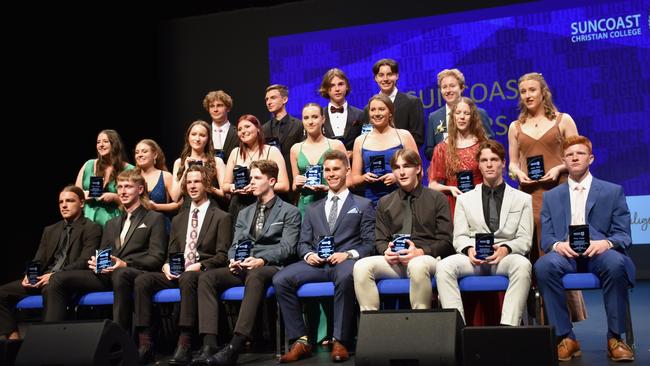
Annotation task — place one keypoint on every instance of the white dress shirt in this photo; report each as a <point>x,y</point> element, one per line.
<point>203,208</point>
<point>393,95</point>
<point>338,120</point>
<point>219,134</point>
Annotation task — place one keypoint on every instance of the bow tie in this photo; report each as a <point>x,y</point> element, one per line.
<point>333,109</point>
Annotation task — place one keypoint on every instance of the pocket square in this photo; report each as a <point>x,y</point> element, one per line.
<point>353,210</point>
<point>278,223</point>
<point>142,226</point>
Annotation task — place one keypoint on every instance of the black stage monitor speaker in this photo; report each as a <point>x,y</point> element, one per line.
<point>408,337</point>
<point>530,346</point>
<point>98,343</point>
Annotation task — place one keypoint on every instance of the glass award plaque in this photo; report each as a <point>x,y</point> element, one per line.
<point>377,165</point>
<point>103,259</point>
<point>314,175</point>
<point>465,180</point>
<point>399,242</point>
<point>220,154</point>
<point>579,238</point>
<point>366,128</point>
<point>325,246</point>
<point>33,270</point>
<point>96,188</point>
<point>176,263</point>
<point>483,246</point>
<point>241,175</point>
<point>535,167</point>
<point>243,249</point>
<point>273,141</point>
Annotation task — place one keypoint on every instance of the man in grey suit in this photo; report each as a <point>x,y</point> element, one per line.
<point>342,121</point>
<point>409,112</point>
<point>451,84</point>
<point>65,245</point>
<point>346,220</point>
<point>272,226</point>
<point>492,207</point>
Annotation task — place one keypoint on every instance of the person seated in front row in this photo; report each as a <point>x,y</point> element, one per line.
<point>200,237</point>
<point>601,205</point>
<point>417,214</point>
<point>65,245</point>
<point>337,230</point>
<point>505,215</point>
<point>138,243</point>
<point>272,227</point>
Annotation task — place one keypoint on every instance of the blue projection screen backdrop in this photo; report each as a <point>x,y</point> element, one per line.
<point>595,56</point>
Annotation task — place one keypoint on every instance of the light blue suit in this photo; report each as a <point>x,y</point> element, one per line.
<point>608,218</point>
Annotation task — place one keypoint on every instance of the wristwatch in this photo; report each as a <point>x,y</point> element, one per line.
<point>350,256</point>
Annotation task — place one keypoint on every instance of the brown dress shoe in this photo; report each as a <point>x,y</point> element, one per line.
<point>617,350</point>
<point>567,349</point>
<point>339,352</point>
<point>298,351</point>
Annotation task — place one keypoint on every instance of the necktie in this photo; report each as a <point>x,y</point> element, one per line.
<point>334,109</point>
<point>578,216</point>
<point>64,246</point>
<point>191,255</point>
<point>331,218</point>
<point>259,223</point>
<point>125,229</point>
<point>219,143</point>
<point>407,223</point>
<point>493,223</point>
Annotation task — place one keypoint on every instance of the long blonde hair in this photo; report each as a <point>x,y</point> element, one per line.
<point>452,161</point>
<point>550,110</point>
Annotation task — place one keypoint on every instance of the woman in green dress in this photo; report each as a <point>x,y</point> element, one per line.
<point>310,152</point>
<point>111,161</point>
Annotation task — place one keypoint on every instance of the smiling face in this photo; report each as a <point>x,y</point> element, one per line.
<point>338,90</point>
<point>336,173</point>
<point>380,115</point>
<point>103,144</point>
<point>312,120</point>
<point>70,206</point>
<point>530,92</point>
<point>462,116</point>
<point>386,79</point>
<point>198,137</point>
<point>144,156</point>
<point>450,89</point>
<point>129,192</point>
<point>218,111</point>
<point>195,188</point>
<point>247,132</point>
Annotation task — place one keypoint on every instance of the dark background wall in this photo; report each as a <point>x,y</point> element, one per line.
<point>143,72</point>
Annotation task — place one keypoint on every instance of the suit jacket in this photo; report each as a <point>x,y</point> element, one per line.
<point>434,137</point>
<point>145,243</point>
<point>354,228</point>
<point>84,240</point>
<point>352,126</point>
<point>606,214</point>
<point>213,241</point>
<point>277,243</point>
<point>515,220</point>
<point>293,133</point>
<point>232,141</point>
<point>409,115</point>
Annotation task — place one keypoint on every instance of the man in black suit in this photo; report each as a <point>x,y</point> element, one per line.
<point>342,121</point>
<point>224,134</point>
<point>409,112</point>
<point>282,130</point>
<point>202,234</point>
<point>64,246</point>
<point>347,220</point>
<point>138,244</point>
<point>272,226</point>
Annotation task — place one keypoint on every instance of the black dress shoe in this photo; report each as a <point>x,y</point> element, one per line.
<point>145,355</point>
<point>204,355</point>
<point>182,356</point>
<point>226,357</point>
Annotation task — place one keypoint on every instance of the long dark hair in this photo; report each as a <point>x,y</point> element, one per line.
<point>208,150</point>
<point>115,158</point>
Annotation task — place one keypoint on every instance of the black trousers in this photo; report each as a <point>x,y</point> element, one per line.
<point>147,284</point>
<point>214,282</point>
<point>65,285</point>
<point>10,294</point>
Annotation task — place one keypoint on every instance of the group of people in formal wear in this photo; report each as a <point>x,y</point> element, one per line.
<point>339,197</point>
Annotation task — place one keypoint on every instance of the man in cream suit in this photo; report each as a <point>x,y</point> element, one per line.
<point>492,207</point>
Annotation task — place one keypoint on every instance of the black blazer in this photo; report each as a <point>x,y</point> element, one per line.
<point>352,126</point>
<point>213,241</point>
<point>232,141</point>
<point>145,244</point>
<point>84,239</point>
<point>293,133</point>
<point>409,115</point>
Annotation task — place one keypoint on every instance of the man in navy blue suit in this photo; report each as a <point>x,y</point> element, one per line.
<point>349,221</point>
<point>451,84</point>
<point>585,200</point>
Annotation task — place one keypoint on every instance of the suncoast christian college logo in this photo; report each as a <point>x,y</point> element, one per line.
<point>606,28</point>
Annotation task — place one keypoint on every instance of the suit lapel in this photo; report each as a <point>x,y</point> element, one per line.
<point>508,196</point>
<point>205,225</point>
<point>135,222</point>
<point>594,192</point>
<point>329,131</point>
<point>321,215</point>
<point>230,136</point>
<point>347,205</point>
<point>478,212</point>
<point>182,233</point>
<point>77,228</point>
<point>349,121</point>
<point>273,215</point>
<point>565,200</point>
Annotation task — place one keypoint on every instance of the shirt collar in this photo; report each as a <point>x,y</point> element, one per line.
<point>345,106</point>
<point>224,127</point>
<point>586,182</point>
<point>416,192</point>
<point>269,205</point>
<point>202,207</point>
<point>343,195</point>
<point>393,94</point>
